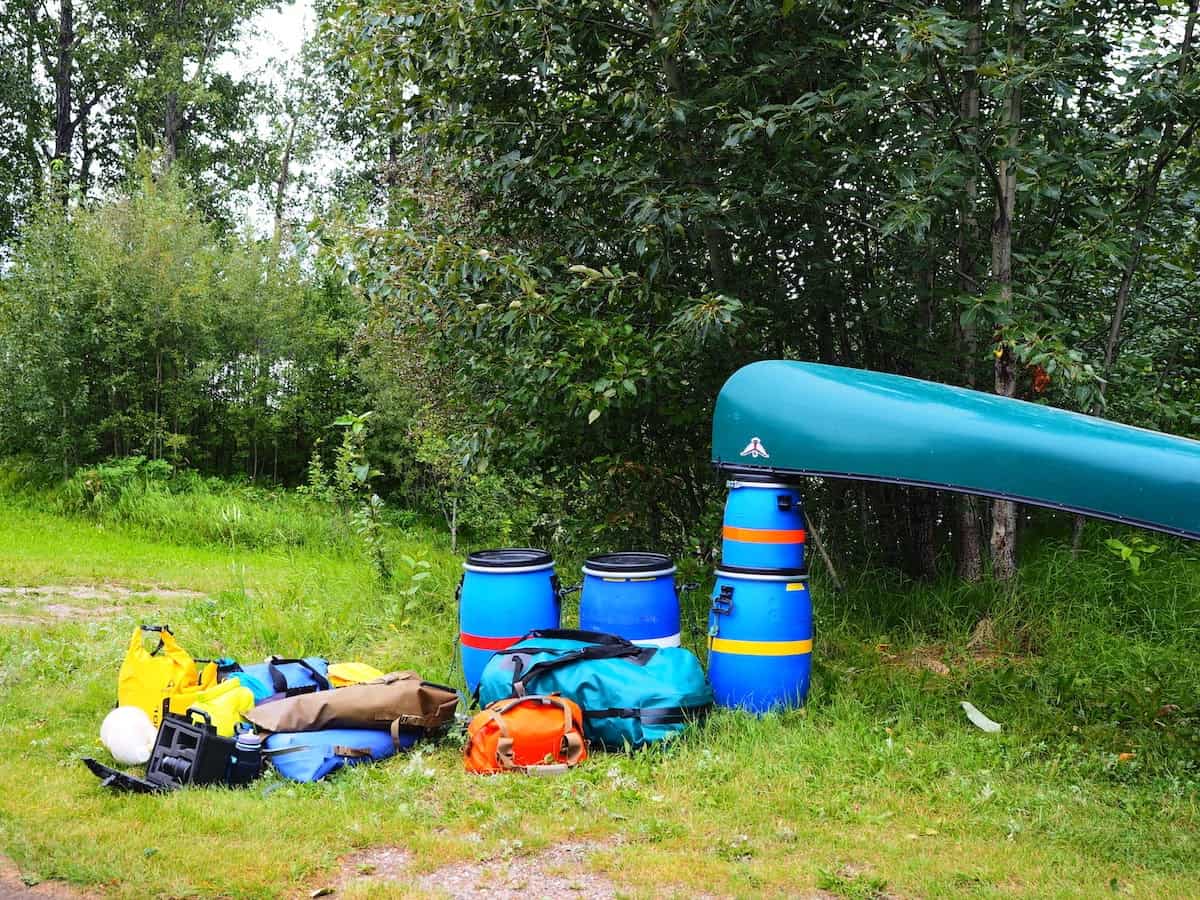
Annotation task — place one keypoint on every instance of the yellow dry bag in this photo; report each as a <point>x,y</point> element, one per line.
<point>220,705</point>
<point>348,673</point>
<point>148,677</point>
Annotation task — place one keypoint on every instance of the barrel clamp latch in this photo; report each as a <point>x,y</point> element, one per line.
<point>723,602</point>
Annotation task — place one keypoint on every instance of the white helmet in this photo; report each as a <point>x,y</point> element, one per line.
<point>129,735</point>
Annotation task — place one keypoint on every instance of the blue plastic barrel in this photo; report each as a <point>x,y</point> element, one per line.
<point>633,595</point>
<point>764,526</point>
<point>760,639</point>
<point>504,594</point>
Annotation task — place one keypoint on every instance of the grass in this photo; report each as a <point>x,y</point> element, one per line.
<point>879,786</point>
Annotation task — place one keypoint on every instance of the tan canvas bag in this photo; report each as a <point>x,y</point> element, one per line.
<point>398,699</point>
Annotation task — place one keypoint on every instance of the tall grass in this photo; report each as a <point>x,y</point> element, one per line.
<point>186,508</point>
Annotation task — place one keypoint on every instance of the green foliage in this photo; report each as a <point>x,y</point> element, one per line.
<point>605,211</point>
<point>180,506</point>
<point>1132,553</point>
<point>348,486</point>
<point>98,489</point>
<point>132,328</point>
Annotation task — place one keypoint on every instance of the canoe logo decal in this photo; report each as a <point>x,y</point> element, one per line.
<point>756,450</point>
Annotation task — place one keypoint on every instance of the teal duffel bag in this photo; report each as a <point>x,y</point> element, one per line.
<point>630,695</point>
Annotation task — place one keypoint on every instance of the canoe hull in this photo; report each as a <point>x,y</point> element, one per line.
<point>791,418</point>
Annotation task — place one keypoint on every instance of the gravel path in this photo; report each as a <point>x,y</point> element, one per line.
<point>559,871</point>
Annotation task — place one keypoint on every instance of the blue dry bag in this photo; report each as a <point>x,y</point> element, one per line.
<point>279,677</point>
<point>630,695</point>
<point>311,755</point>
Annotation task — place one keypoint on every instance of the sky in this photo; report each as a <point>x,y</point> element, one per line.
<point>275,35</point>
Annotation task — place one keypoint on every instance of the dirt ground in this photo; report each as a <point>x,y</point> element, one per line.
<point>49,603</point>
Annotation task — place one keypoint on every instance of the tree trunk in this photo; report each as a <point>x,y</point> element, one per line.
<point>391,179</point>
<point>1004,512</point>
<point>33,114</point>
<point>970,555</point>
<point>170,129</point>
<point>172,114</point>
<point>89,154</point>
<point>158,385</point>
<point>64,125</point>
<point>281,184</point>
<point>923,514</point>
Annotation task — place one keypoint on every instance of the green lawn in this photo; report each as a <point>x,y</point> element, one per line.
<point>880,785</point>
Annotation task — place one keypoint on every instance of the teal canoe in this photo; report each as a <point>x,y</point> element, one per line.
<point>795,418</point>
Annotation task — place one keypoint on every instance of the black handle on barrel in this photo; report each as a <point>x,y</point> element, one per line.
<point>559,591</point>
<point>784,502</point>
<point>723,602</point>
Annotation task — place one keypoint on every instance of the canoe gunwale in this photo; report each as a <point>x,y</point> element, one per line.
<point>735,469</point>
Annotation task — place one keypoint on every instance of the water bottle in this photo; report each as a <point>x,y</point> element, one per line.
<point>245,763</point>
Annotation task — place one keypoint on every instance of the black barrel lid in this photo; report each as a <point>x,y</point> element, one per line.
<point>746,570</point>
<point>628,561</point>
<point>753,475</point>
<point>509,558</point>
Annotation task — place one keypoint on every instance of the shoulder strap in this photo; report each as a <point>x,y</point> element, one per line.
<point>279,681</point>
<point>622,650</point>
<point>576,634</point>
<point>662,715</point>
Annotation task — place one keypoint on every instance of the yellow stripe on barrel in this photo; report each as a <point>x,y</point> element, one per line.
<point>760,648</point>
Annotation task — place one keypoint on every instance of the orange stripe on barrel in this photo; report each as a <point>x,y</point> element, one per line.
<point>764,535</point>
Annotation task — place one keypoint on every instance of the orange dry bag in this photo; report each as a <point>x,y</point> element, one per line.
<point>535,735</point>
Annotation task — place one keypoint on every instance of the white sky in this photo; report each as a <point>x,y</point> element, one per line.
<point>275,33</point>
<point>274,36</point>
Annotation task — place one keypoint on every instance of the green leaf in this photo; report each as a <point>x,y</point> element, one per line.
<point>593,416</point>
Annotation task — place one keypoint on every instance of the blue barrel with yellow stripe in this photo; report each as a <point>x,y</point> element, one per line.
<point>631,594</point>
<point>764,526</point>
<point>760,633</point>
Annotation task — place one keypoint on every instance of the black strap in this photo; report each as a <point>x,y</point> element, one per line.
<point>575,634</point>
<point>664,715</point>
<point>157,629</point>
<point>624,649</point>
<point>279,680</point>
<point>120,781</point>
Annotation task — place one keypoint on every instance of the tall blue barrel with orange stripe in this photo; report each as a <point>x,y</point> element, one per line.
<point>764,526</point>
<point>760,631</point>
<point>504,594</point>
